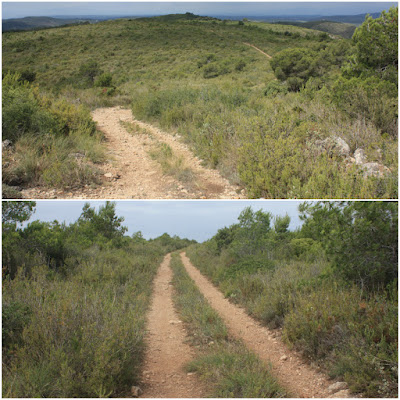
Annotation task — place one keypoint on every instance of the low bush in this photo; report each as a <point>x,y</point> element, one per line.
<point>104,80</point>
<point>371,99</point>
<point>357,337</point>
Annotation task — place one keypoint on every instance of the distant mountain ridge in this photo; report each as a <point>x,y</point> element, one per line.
<point>27,23</point>
<point>180,17</point>
<point>357,19</point>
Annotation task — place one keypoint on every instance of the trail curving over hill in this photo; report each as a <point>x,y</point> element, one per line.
<point>254,47</point>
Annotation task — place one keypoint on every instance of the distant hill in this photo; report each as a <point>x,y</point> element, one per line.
<point>179,17</point>
<point>348,19</point>
<point>27,23</point>
<point>332,27</point>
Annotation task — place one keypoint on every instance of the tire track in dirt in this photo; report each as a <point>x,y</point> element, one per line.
<point>167,352</point>
<point>141,177</point>
<point>291,371</point>
<point>130,172</point>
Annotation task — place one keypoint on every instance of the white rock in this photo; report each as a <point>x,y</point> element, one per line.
<point>136,391</point>
<point>374,169</point>
<point>360,156</point>
<point>337,386</point>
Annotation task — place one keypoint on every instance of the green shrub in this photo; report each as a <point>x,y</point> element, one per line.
<point>15,316</point>
<point>104,80</point>
<point>87,72</point>
<point>274,88</point>
<point>211,71</point>
<point>240,65</point>
<point>371,98</point>
<point>358,338</point>
<point>22,112</point>
<point>298,63</point>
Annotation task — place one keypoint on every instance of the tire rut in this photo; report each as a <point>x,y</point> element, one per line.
<point>293,373</point>
<point>138,176</point>
<point>167,352</point>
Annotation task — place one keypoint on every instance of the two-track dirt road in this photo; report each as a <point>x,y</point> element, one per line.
<point>164,374</point>
<point>131,173</point>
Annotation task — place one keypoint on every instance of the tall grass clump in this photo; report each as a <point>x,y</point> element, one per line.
<point>225,364</point>
<point>170,163</point>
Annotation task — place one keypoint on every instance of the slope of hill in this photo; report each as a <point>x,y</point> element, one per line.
<point>202,80</point>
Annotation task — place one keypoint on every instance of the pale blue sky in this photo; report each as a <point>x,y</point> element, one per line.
<point>13,9</point>
<point>198,220</point>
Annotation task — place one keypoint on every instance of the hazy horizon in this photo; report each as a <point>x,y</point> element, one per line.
<point>232,9</point>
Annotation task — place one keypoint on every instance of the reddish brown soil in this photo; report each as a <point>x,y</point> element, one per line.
<point>164,375</point>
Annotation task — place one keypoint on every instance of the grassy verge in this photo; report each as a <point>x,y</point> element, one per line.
<point>224,364</point>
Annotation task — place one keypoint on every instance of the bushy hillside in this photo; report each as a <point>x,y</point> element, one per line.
<point>273,127</point>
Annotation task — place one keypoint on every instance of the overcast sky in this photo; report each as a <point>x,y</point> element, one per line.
<point>14,9</point>
<point>199,220</point>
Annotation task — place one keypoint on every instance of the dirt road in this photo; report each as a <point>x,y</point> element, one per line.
<point>288,367</point>
<point>254,47</point>
<point>140,176</point>
<point>164,376</point>
<point>131,173</point>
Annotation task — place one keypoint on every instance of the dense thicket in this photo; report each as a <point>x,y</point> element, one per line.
<point>331,285</point>
<point>74,303</point>
<point>265,124</point>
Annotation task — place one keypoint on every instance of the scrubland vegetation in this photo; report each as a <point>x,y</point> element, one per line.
<point>265,124</point>
<point>74,303</point>
<point>331,286</point>
<point>75,299</point>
